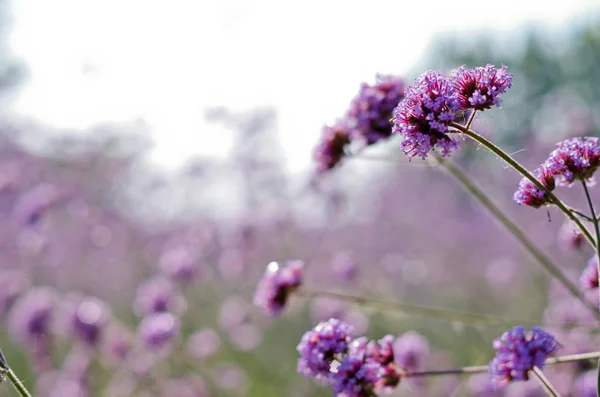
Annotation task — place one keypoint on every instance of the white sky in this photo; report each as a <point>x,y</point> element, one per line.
<point>165,61</point>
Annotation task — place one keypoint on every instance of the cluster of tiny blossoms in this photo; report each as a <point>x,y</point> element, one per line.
<point>420,114</point>
<point>574,159</point>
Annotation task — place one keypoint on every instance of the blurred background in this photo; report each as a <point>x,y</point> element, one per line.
<point>138,137</point>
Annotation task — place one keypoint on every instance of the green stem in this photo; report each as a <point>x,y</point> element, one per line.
<point>545,382</point>
<point>476,369</point>
<point>421,310</point>
<point>543,260</point>
<point>10,374</point>
<point>525,173</point>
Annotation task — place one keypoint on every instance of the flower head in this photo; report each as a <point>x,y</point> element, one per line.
<point>356,376</point>
<point>320,346</point>
<point>31,317</point>
<point>157,330</point>
<point>88,319</point>
<point>480,87</point>
<point>574,159</point>
<point>411,350</point>
<point>529,194</point>
<point>589,277</point>
<point>155,296</point>
<point>332,147</point>
<point>276,286</point>
<point>371,110</point>
<point>423,116</point>
<point>517,352</point>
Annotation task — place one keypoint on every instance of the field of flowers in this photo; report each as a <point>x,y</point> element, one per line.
<point>424,255</point>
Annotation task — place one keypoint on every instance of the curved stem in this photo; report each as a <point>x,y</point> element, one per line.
<point>16,382</point>
<point>525,173</point>
<point>424,311</point>
<point>545,382</point>
<point>484,368</point>
<point>542,259</point>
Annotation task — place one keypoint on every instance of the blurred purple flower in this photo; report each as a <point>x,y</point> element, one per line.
<point>355,376</point>
<point>12,284</point>
<point>157,295</point>
<point>529,194</point>
<point>411,351</point>
<point>332,146</point>
<point>156,331</point>
<point>180,264</point>
<point>371,110</point>
<point>574,159</point>
<point>480,87</point>
<point>589,276</point>
<point>203,343</point>
<point>233,312</point>
<point>320,346</point>
<point>344,266</point>
<point>276,286</point>
<point>586,384</point>
<point>117,342</point>
<point>570,237</point>
<point>88,319</point>
<point>423,116</point>
<point>517,352</point>
<point>31,205</point>
<point>31,317</point>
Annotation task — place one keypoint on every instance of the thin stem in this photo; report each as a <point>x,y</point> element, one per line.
<point>542,259</point>
<point>484,368</point>
<point>471,118</point>
<point>423,311</point>
<point>581,214</point>
<point>545,382</point>
<point>16,382</point>
<point>525,173</point>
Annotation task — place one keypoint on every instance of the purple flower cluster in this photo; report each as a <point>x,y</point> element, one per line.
<point>423,116</point>
<point>332,147</point>
<point>574,159</point>
<point>517,352</point>
<point>276,286</point>
<point>371,110</point>
<point>529,194</point>
<point>480,88</point>
<point>359,367</point>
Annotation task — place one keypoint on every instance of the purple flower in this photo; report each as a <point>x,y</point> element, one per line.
<point>31,316</point>
<point>155,296</point>
<point>529,194</point>
<point>570,237</point>
<point>585,385</point>
<point>320,346</point>
<point>88,319</point>
<point>517,352</point>
<point>480,87</point>
<point>411,350</point>
<point>276,286</point>
<point>344,266</point>
<point>31,205</point>
<point>382,353</point>
<point>355,376</point>
<point>180,264</point>
<point>332,147</point>
<point>203,343</point>
<point>574,159</point>
<point>12,284</point>
<point>423,116</point>
<point>371,110</point>
<point>589,277</point>
<point>157,330</point>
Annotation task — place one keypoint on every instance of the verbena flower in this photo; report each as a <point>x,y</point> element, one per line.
<point>383,354</point>
<point>517,352</point>
<point>371,110</point>
<point>586,384</point>
<point>88,319</point>
<point>529,194</point>
<point>318,348</point>
<point>423,116</point>
<point>155,296</point>
<point>570,237</point>
<point>332,146</point>
<point>589,276</point>
<point>574,159</point>
<point>411,350</point>
<point>31,317</point>
<point>356,376</point>
<point>480,87</point>
<point>157,330</point>
<point>276,286</point>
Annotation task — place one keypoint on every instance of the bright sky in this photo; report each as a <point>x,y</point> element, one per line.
<point>165,61</point>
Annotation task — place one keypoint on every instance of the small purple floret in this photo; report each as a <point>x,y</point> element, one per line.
<point>423,116</point>
<point>480,87</point>
<point>517,352</point>
<point>356,376</point>
<point>318,348</point>
<point>276,286</point>
<point>332,146</point>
